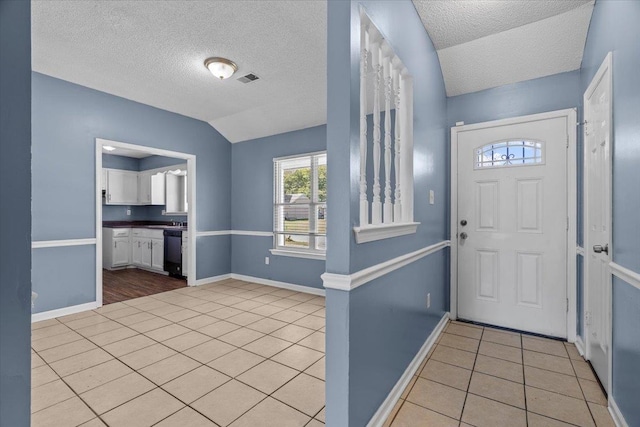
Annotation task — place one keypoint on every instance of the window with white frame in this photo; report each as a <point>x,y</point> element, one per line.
<point>300,204</point>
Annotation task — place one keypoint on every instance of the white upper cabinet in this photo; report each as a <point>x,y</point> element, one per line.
<point>176,193</point>
<point>151,188</point>
<point>121,187</point>
<point>157,189</point>
<point>144,188</point>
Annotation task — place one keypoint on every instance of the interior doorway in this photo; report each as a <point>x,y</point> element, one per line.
<point>513,223</point>
<point>145,220</point>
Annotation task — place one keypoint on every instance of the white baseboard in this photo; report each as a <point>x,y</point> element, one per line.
<point>275,283</point>
<point>206,280</point>
<point>385,409</point>
<point>46,315</point>
<point>580,345</point>
<point>618,419</point>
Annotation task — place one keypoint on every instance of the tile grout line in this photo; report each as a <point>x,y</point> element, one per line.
<point>524,382</point>
<point>582,391</point>
<point>200,363</point>
<point>473,369</point>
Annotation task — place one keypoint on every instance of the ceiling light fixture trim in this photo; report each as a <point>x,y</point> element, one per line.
<point>222,68</point>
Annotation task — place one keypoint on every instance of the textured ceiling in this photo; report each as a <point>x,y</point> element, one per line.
<point>488,43</point>
<point>153,52</point>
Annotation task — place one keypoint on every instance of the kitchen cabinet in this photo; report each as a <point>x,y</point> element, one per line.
<point>157,254</point>
<point>121,187</point>
<point>176,194</point>
<point>116,247</point>
<point>136,250</point>
<point>148,248</point>
<point>151,188</point>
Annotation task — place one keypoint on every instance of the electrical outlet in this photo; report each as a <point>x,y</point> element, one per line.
<point>429,300</point>
<point>128,211</point>
<point>266,260</point>
<point>432,197</point>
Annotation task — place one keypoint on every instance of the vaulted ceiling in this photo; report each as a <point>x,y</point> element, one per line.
<point>153,52</point>
<point>488,43</point>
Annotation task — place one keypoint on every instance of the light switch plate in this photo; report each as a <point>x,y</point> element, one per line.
<point>432,197</point>
<point>128,211</point>
<point>266,260</point>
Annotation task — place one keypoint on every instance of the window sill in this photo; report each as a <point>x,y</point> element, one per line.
<point>370,233</point>
<point>298,254</point>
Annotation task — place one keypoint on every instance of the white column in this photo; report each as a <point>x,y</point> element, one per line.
<point>397,205</point>
<point>376,205</point>
<point>364,203</point>
<point>388,203</point>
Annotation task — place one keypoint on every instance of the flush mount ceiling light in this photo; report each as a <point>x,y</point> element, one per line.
<point>221,67</point>
<point>108,148</point>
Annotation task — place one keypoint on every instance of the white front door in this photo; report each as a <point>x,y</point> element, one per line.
<point>597,137</point>
<point>512,225</point>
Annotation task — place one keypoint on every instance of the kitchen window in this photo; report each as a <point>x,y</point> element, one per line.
<point>300,206</point>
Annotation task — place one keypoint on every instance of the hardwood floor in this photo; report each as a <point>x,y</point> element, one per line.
<point>122,285</point>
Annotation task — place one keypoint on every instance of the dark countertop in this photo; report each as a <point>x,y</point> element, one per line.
<point>157,225</point>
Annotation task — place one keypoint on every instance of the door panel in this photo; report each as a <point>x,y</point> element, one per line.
<point>597,222</point>
<point>512,191</point>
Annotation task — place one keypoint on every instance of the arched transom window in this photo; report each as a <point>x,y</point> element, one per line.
<point>509,153</point>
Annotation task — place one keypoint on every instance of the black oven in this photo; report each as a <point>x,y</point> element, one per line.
<point>173,252</point>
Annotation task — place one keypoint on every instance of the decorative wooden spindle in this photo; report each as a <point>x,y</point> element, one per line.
<point>364,54</point>
<point>376,205</point>
<point>397,205</point>
<point>388,204</point>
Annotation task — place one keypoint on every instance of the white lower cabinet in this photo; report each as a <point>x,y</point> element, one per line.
<point>136,250</point>
<point>140,247</point>
<point>148,248</point>
<point>157,254</point>
<point>116,247</point>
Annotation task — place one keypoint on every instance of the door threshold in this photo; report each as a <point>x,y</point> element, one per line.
<point>502,328</point>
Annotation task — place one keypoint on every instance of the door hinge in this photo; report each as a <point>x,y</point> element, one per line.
<point>587,318</point>
<point>567,223</point>
<point>567,141</point>
<point>567,305</point>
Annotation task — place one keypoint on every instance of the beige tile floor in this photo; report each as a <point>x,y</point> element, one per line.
<point>482,377</point>
<point>230,353</point>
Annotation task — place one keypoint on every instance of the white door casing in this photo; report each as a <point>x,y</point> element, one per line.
<point>598,222</point>
<point>512,269</point>
<point>191,200</point>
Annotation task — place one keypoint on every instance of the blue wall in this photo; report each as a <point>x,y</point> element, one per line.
<point>66,120</point>
<point>155,162</point>
<point>113,161</point>
<point>252,206</point>
<point>15,213</point>
<point>550,93</point>
<point>380,326</point>
<point>614,27</point>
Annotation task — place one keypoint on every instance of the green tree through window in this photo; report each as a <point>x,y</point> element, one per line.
<point>298,181</point>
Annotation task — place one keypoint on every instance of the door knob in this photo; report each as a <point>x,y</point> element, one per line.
<point>463,222</point>
<point>463,235</point>
<point>599,249</point>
